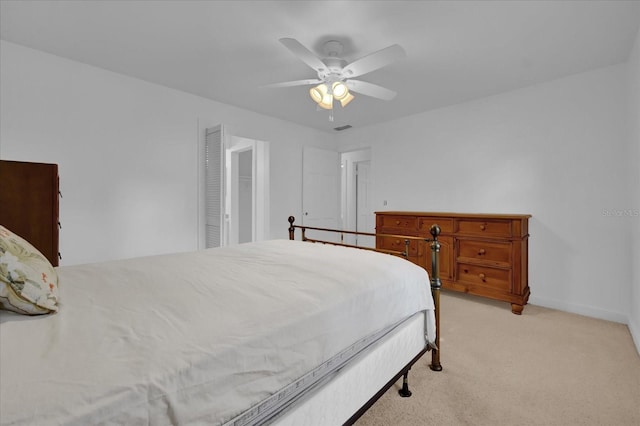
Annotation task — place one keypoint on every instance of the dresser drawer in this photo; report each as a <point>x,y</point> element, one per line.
<point>396,222</point>
<point>424,225</point>
<point>489,228</point>
<point>416,247</point>
<point>495,278</point>
<point>488,252</point>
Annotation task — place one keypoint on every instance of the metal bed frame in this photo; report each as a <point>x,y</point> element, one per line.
<point>435,291</point>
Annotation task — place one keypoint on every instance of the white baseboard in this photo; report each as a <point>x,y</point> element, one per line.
<point>635,334</point>
<point>590,311</point>
<point>574,308</point>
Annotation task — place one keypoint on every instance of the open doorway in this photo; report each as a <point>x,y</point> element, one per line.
<point>357,206</point>
<point>245,197</point>
<point>246,190</point>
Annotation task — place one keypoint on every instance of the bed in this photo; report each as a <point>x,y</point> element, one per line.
<point>283,332</point>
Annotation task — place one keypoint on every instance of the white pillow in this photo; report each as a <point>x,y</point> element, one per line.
<point>28,281</point>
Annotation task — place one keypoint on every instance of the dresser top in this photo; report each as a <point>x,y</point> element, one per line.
<point>460,215</point>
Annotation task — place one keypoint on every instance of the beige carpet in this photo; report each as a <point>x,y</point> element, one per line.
<point>545,367</point>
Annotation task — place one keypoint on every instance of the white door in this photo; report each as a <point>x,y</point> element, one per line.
<point>320,190</point>
<point>214,166</point>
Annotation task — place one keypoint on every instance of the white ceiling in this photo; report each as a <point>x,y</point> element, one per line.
<point>227,50</point>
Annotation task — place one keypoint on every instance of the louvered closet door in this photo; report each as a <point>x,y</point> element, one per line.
<point>214,181</point>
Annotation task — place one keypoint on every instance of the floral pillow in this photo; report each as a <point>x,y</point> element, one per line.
<point>28,281</point>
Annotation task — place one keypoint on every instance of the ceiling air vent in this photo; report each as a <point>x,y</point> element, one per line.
<point>345,127</point>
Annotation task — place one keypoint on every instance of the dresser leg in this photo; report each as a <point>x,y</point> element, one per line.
<point>517,309</point>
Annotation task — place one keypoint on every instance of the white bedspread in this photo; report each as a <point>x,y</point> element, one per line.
<point>196,338</point>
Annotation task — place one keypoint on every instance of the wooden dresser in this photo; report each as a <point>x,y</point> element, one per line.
<point>29,204</point>
<point>481,254</point>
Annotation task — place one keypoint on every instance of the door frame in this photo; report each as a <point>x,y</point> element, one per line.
<point>259,187</point>
<point>348,162</point>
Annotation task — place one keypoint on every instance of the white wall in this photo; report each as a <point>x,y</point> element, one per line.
<point>634,158</point>
<point>127,152</point>
<point>557,151</point>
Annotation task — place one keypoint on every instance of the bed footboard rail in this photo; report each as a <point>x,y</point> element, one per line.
<point>342,233</point>
<point>436,284</point>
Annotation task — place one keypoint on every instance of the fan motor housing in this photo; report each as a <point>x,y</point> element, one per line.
<point>334,68</point>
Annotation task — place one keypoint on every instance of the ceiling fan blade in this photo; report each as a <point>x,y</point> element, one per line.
<point>303,53</point>
<point>370,89</point>
<point>374,61</point>
<point>294,83</point>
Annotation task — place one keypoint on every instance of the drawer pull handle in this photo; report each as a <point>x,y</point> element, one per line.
<point>483,227</point>
<point>482,276</point>
<point>397,222</point>
<point>398,242</point>
<point>481,252</point>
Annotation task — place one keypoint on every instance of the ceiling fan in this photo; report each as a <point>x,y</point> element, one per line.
<point>335,76</point>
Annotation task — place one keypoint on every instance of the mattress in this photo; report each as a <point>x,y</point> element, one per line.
<point>197,338</point>
<point>353,386</point>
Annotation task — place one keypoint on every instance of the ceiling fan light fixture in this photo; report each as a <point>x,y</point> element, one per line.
<point>340,90</point>
<point>327,101</point>
<point>318,92</point>
<point>322,96</point>
<point>346,99</point>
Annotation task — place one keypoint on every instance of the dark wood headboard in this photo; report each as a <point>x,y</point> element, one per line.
<point>29,204</point>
